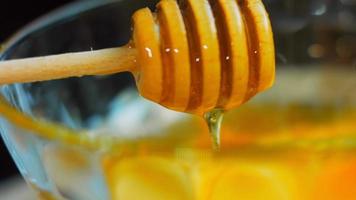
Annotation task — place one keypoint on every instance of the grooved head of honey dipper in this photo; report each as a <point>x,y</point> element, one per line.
<point>147,42</point>
<point>199,55</point>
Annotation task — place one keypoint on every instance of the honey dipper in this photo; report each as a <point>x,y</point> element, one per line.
<point>190,56</point>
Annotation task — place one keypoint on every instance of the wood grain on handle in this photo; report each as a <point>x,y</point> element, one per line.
<point>99,62</point>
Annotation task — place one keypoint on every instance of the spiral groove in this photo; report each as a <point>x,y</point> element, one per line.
<point>196,55</point>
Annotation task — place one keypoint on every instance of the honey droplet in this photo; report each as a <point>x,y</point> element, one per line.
<point>214,119</point>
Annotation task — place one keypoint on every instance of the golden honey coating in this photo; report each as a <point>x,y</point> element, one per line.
<point>147,41</point>
<point>176,58</point>
<point>234,53</point>
<point>197,55</point>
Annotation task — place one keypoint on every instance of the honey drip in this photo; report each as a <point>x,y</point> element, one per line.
<point>214,119</point>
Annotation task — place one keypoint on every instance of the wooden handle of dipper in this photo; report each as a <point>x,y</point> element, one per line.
<point>99,62</point>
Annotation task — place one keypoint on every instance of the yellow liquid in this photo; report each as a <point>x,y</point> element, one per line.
<point>214,120</point>
<point>266,152</point>
<point>301,157</point>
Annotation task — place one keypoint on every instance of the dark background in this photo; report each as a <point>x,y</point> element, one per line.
<point>14,14</point>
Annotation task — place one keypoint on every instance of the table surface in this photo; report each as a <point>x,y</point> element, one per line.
<point>15,189</point>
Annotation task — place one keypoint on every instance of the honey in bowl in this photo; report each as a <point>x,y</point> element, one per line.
<point>295,151</point>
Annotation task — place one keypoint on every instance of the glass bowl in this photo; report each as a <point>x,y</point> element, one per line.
<point>96,138</point>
